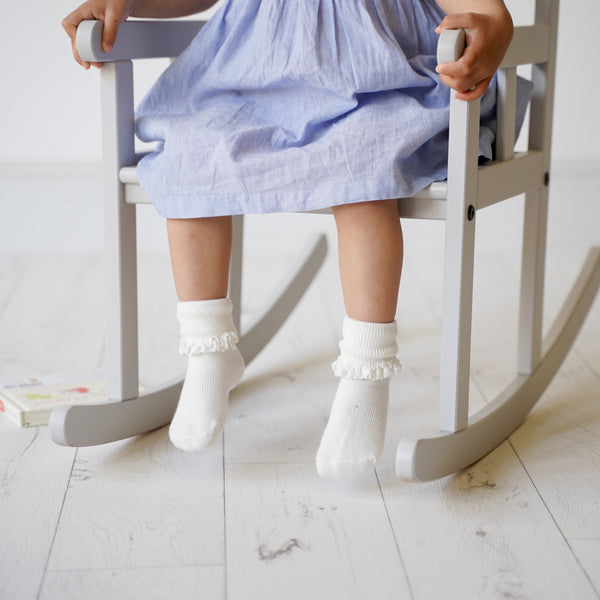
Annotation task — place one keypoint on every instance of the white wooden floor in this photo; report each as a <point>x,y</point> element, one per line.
<point>250,518</point>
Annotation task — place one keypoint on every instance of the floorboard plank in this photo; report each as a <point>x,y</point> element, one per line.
<point>482,534</point>
<point>159,358</point>
<point>142,503</point>
<point>588,554</point>
<point>559,444</point>
<point>293,535</point>
<point>183,583</point>
<point>280,418</point>
<point>279,411</point>
<point>34,474</point>
<point>47,324</point>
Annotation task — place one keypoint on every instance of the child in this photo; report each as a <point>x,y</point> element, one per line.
<point>290,105</point>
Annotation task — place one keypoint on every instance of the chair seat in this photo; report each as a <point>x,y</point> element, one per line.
<point>496,182</point>
<point>429,203</point>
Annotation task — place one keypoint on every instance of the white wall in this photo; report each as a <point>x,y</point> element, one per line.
<point>50,105</point>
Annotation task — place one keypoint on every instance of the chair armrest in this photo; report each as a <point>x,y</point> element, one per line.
<point>137,39</point>
<point>451,45</point>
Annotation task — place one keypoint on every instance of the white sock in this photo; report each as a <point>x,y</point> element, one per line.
<point>354,436</point>
<point>215,366</point>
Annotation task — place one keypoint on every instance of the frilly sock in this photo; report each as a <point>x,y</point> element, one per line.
<point>354,436</point>
<point>367,351</point>
<point>215,366</point>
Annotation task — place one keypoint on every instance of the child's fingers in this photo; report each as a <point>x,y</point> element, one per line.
<point>477,91</point>
<point>112,14</point>
<point>468,71</point>
<point>460,75</point>
<point>457,70</point>
<point>69,24</point>
<point>112,22</point>
<point>457,21</point>
<point>487,37</point>
<point>457,84</point>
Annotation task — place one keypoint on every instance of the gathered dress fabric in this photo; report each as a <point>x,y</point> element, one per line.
<point>299,105</point>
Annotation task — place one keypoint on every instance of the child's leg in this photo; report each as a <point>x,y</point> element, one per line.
<point>370,254</point>
<point>200,255</point>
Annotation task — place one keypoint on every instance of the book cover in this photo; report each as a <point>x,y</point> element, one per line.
<point>28,403</point>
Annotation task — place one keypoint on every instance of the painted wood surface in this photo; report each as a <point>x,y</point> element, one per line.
<point>34,472</point>
<point>493,531</point>
<point>183,583</point>
<point>290,534</point>
<point>142,503</point>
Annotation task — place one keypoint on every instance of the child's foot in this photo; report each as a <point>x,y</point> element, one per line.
<point>202,407</point>
<point>353,438</point>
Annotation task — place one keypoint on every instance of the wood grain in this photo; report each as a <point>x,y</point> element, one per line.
<point>291,534</point>
<point>142,503</point>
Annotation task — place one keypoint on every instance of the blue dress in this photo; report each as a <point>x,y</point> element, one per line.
<point>297,105</point>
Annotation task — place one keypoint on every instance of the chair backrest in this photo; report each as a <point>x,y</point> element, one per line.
<point>509,174</point>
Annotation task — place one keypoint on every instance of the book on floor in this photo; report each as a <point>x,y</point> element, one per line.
<point>30,402</point>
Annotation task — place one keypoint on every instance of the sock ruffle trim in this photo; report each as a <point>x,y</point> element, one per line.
<point>373,370</point>
<point>195,346</point>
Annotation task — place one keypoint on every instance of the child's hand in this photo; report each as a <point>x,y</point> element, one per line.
<point>488,38</point>
<point>112,12</point>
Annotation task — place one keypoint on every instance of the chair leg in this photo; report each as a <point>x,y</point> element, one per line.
<point>122,367</point>
<point>532,281</point>
<point>119,233</point>
<point>443,454</point>
<point>459,255</point>
<point>89,425</point>
<point>456,322</point>
<point>93,424</point>
<point>235,269</point>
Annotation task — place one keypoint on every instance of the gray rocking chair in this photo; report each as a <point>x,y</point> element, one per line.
<point>461,440</point>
